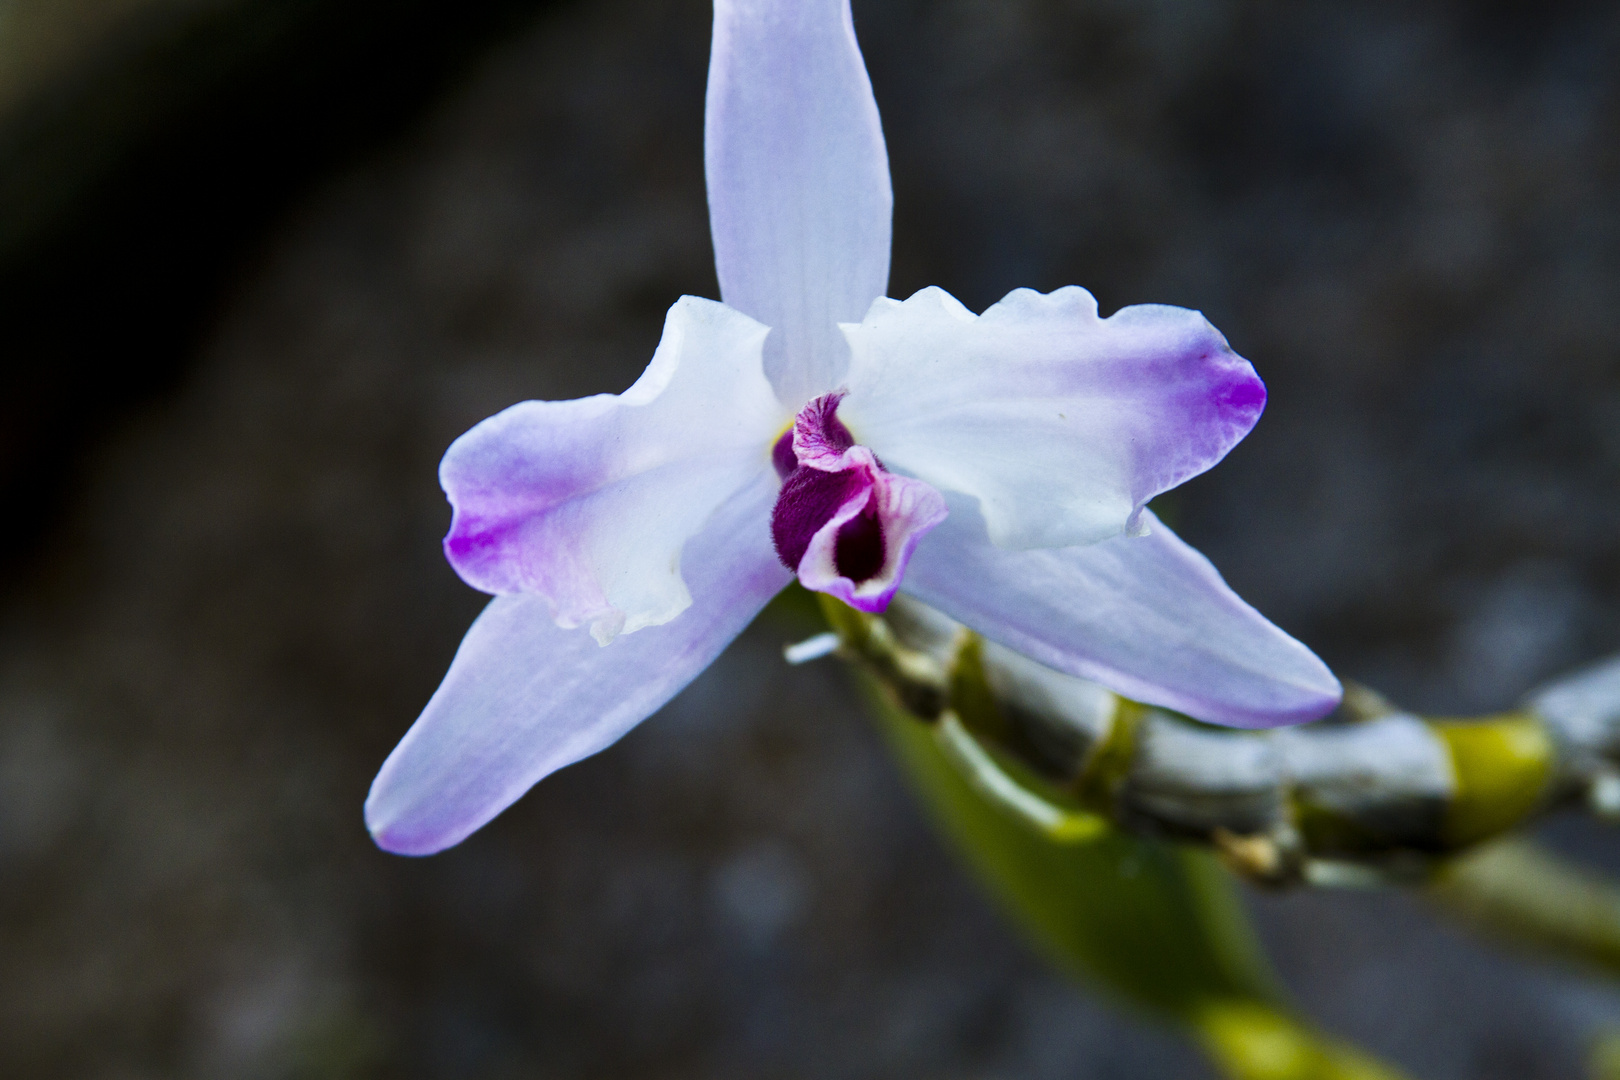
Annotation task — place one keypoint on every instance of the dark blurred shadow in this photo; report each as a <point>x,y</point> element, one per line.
<point>133,186</point>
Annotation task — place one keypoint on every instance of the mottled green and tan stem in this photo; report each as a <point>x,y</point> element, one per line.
<point>1100,822</point>
<point>1373,795</point>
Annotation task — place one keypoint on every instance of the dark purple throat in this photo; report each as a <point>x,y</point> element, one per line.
<point>809,499</point>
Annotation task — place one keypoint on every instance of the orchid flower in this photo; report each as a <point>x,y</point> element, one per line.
<point>994,466</point>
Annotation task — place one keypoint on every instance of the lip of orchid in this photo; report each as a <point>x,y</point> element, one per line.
<point>843,523</point>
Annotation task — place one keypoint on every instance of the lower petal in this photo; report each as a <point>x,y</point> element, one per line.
<point>523,698</point>
<point>1147,616</point>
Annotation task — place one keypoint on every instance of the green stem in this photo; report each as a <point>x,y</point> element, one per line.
<point>1248,1041</point>
<point>1520,890</point>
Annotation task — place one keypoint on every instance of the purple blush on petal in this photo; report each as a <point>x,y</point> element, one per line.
<point>477,551</point>
<point>1245,395</point>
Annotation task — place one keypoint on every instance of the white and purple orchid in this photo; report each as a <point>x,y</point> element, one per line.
<point>995,466</point>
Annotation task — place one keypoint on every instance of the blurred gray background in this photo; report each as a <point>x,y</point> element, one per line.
<point>261,262</point>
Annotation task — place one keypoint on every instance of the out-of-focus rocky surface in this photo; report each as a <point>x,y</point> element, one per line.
<point>1408,216</point>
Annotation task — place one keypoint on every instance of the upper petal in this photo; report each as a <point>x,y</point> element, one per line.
<point>588,502</point>
<point>1062,424</point>
<point>1146,616</point>
<point>799,196</point>
<point>523,697</point>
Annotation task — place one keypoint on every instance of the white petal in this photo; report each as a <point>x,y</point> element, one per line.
<point>523,698</point>
<point>1146,616</point>
<point>1060,423</point>
<point>587,503</point>
<point>799,197</point>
